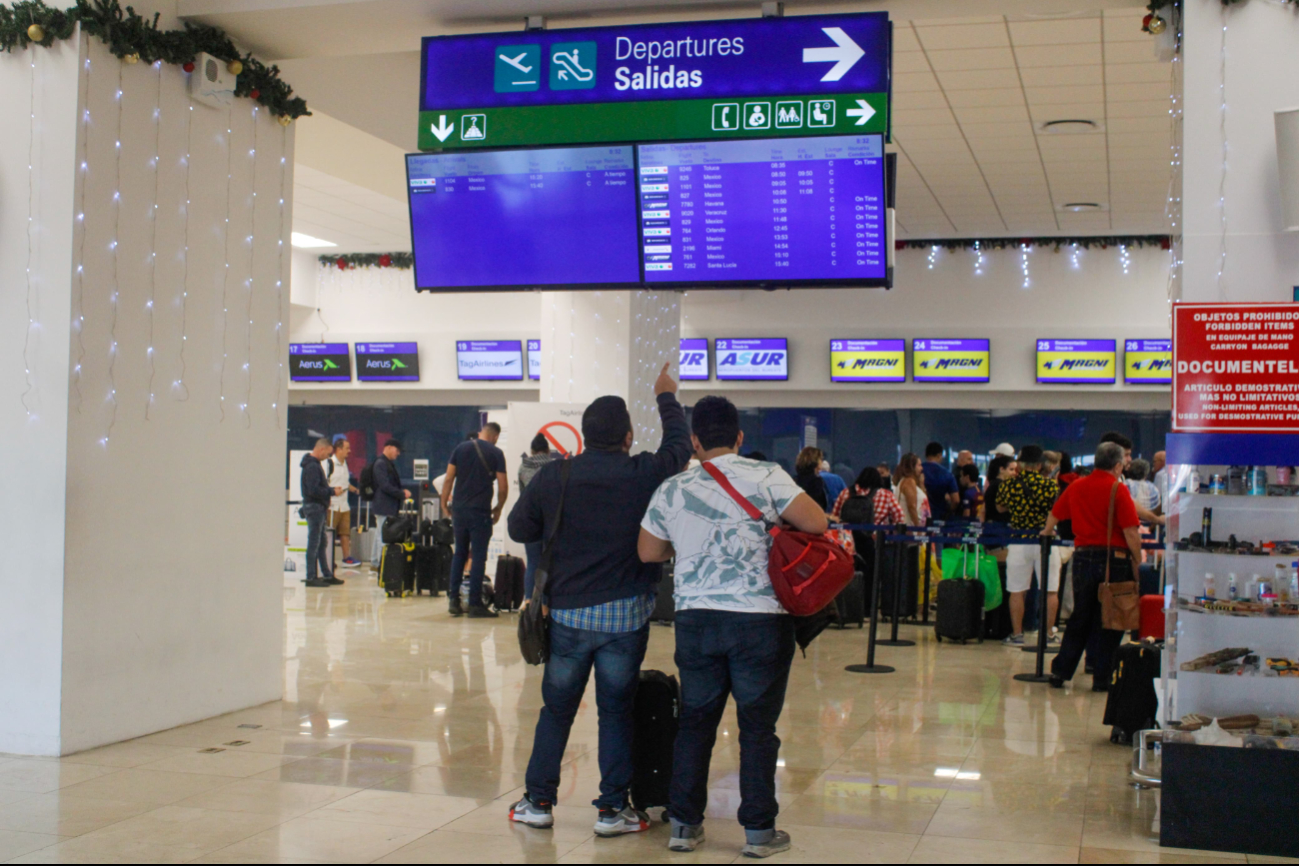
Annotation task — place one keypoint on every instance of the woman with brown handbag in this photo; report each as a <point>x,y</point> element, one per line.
<point>1107,551</point>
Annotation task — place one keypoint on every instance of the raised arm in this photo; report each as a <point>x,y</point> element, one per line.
<point>675,450</point>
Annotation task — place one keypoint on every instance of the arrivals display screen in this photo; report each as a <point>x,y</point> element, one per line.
<point>534,360</point>
<point>320,362</point>
<point>868,360</point>
<point>510,219</point>
<point>806,210</point>
<point>387,362</point>
<point>694,360</point>
<point>763,360</point>
<point>1076,362</point>
<point>1148,362</point>
<point>488,360</point>
<point>963,360</point>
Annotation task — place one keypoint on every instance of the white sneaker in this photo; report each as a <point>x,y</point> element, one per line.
<point>532,814</point>
<point>775,844</point>
<point>685,837</point>
<point>629,820</point>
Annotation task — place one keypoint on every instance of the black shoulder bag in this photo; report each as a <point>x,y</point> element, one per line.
<point>534,625</point>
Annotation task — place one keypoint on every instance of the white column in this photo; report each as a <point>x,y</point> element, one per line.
<point>1240,66</point>
<point>597,343</point>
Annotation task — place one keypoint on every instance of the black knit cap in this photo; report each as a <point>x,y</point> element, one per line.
<point>605,423</point>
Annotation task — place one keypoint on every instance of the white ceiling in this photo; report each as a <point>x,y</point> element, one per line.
<point>970,96</point>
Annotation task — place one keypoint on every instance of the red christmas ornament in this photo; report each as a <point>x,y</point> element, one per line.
<point>1165,244</point>
<point>342,263</point>
<point>385,261</point>
<point>255,93</point>
<point>188,67</point>
<point>899,245</point>
<point>1145,22</point>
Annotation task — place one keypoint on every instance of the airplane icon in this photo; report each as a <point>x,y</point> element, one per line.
<point>517,62</point>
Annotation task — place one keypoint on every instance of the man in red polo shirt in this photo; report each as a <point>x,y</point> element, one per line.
<point>1086,503</point>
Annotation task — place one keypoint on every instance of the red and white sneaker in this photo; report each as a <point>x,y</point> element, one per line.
<point>532,814</point>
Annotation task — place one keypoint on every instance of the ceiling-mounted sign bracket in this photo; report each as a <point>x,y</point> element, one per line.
<point>773,10</point>
<point>534,22</point>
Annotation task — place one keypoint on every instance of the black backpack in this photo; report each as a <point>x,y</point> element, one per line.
<point>367,483</point>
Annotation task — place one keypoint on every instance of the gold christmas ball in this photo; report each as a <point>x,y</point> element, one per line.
<point>1158,25</point>
<point>235,67</point>
<point>132,58</point>
<point>285,120</point>
<point>36,33</point>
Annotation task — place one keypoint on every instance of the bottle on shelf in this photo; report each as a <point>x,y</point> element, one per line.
<point>1258,481</point>
<point>1294,582</point>
<point>1281,580</point>
<point>1193,480</point>
<point>1233,589</point>
<point>1210,586</point>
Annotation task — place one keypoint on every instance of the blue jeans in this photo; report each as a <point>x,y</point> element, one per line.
<point>533,550</point>
<point>376,555</point>
<point>317,556</point>
<point>721,653</point>
<point>617,659</point>
<point>473,532</point>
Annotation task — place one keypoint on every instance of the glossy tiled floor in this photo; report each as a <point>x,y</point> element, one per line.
<point>404,734</point>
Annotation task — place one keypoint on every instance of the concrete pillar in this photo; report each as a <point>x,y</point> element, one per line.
<point>596,343</point>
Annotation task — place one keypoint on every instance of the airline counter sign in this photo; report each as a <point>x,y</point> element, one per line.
<point>1235,368</point>
<point>387,362</point>
<point>958,361</point>
<point>694,359</point>
<point>868,361</point>
<point>1147,362</point>
<point>1076,362</point>
<point>752,360</point>
<point>534,360</point>
<point>736,78</point>
<point>489,360</point>
<point>320,362</point>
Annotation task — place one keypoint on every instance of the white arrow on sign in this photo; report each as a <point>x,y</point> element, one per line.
<point>442,130</point>
<point>844,55</point>
<point>862,114</point>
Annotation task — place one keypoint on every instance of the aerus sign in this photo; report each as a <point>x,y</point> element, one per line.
<point>757,77</point>
<point>1235,368</point>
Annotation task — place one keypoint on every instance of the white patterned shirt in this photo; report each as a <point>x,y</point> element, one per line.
<point>721,552</point>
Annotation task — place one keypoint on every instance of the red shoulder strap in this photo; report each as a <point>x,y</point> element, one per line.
<point>726,484</point>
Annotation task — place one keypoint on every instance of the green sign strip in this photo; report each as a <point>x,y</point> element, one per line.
<point>665,120</point>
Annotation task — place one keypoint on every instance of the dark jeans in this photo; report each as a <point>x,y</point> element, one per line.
<point>617,659</point>
<point>533,550</point>
<point>1084,628</point>
<point>473,532</point>
<point>317,555</point>
<point>720,653</point>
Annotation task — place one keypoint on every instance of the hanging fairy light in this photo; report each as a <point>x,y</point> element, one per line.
<point>933,256</point>
<point>1075,256</point>
<point>153,215</point>
<point>1125,259</point>
<point>31,214</point>
<point>1023,263</point>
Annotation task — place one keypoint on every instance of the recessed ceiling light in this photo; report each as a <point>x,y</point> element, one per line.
<point>307,242</point>
<point>1082,207</point>
<point>1070,126</point>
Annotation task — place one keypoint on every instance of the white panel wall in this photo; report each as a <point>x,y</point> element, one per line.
<point>1262,75</point>
<point>1069,294</point>
<point>31,510</point>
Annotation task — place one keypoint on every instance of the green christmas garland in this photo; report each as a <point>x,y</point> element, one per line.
<point>352,261</point>
<point>133,37</point>
<point>1162,241</point>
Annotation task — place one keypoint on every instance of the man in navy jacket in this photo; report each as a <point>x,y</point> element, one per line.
<point>600,596</point>
<point>316,495</point>
<point>388,493</point>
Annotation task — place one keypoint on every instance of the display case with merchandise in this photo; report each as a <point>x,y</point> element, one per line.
<point>1231,662</point>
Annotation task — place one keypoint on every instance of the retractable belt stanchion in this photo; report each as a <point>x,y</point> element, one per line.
<point>870,667</point>
<point>924,595</point>
<point>899,571</point>
<point>1040,676</point>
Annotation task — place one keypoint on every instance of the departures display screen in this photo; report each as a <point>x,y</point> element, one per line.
<point>775,210</point>
<point>509,219</point>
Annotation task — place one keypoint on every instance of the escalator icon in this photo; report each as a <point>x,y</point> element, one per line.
<point>572,66</point>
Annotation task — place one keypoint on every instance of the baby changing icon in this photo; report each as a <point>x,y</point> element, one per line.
<point>757,115</point>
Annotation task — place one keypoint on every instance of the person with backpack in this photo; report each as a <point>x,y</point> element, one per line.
<point>600,596</point>
<point>388,494</point>
<point>528,469</point>
<point>476,468</point>
<point>733,635</point>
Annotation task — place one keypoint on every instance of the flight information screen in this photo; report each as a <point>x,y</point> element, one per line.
<point>1148,362</point>
<point>768,211</point>
<point>508,219</point>
<point>1076,362</point>
<point>868,360</point>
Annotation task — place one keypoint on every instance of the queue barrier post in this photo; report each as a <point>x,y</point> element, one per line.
<point>870,667</point>
<point>1043,627</point>
<point>899,569</point>
<point>924,595</point>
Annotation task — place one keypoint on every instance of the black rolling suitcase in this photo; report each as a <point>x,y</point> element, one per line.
<point>397,569</point>
<point>1132,704</point>
<point>508,584</point>
<point>665,606</point>
<point>996,622</point>
<point>655,716</point>
<point>960,607</point>
<point>850,605</point>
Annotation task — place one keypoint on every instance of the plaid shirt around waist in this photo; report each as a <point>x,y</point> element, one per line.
<point>612,617</point>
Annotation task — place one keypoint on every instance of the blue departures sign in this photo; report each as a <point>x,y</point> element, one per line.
<point>743,78</point>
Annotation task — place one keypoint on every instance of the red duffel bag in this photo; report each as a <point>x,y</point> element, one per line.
<point>807,571</point>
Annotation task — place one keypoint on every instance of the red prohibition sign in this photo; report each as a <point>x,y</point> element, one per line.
<point>555,443</point>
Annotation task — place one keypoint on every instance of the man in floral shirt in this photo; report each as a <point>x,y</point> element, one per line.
<point>1029,497</point>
